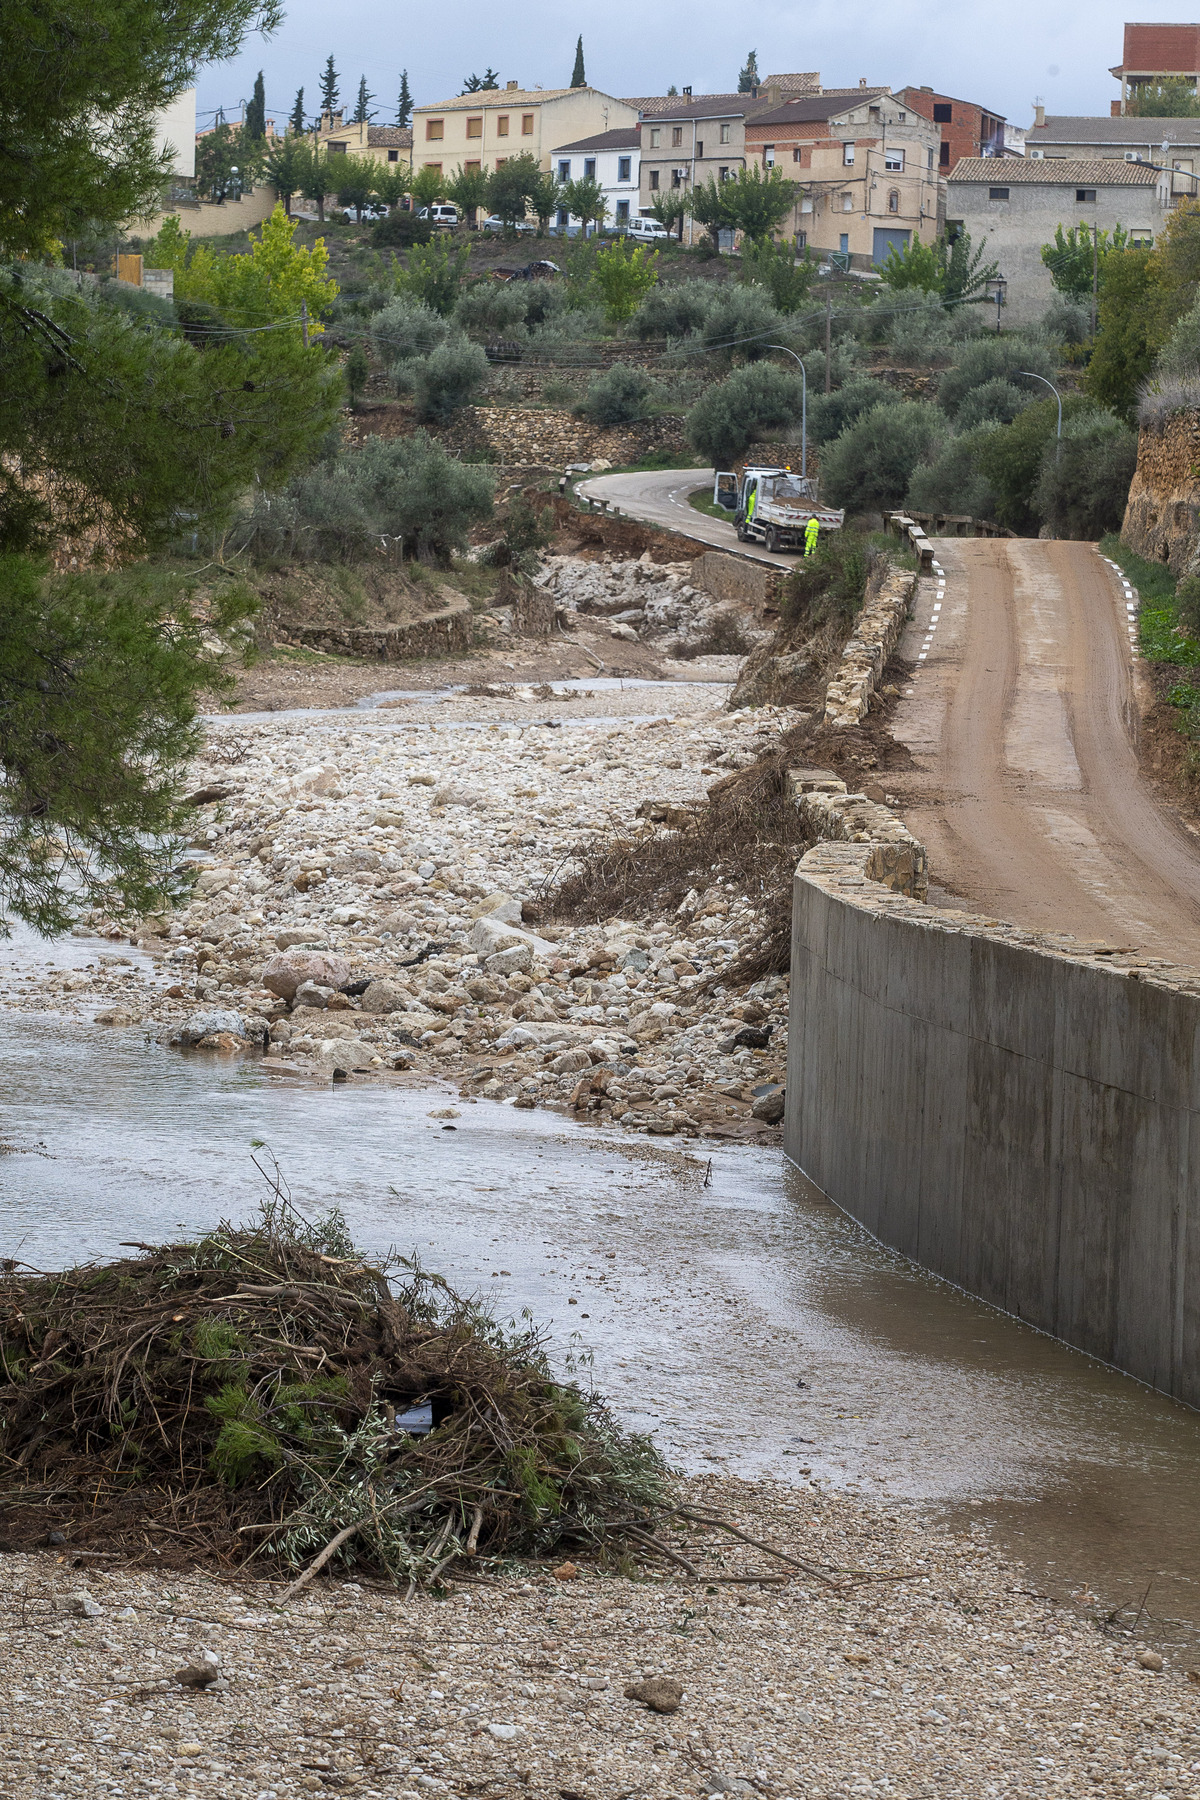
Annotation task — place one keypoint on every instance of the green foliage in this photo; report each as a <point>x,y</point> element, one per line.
<point>526,532</point>
<point>1010,459</point>
<point>829,586</point>
<point>622,275</point>
<point>1126,341</point>
<point>921,333</point>
<point>1083,484</point>
<point>830,414</point>
<point>82,86</point>
<point>434,275</point>
<point>1180,357</point>
<point>246,1446</point>
<point>920,266</point>
<point>329,87</point>
<point>404,102</point>
<point>868,468</point>
<point>449,377</point>
<point>747,404</point>
<point>265,286</point>
<point>216,1340</point>
<point>100,675</point>
<point>997,400</point>
<point>545,197</point>
<point>296,118</point>
<point>578,78</point>
<point>362,104</point>
<point>584,200</point>
<point>492,307</point>
<point>740,324</point>
<point>1077,254</point>
<point>285,165</point>
<point>318,179</point>
<point>711,205</point>
<point>357,178</point>
<point>511,187</point>
<point>989,358</point>
<point>480,84</point>
<point>392,182</point>
<point>774,268</point>
<point>759,200</point>
<point>357,371</point>
<point>256,110</point>
<point>428,186</point>
<point>400,230</point>
<point>669,207</point>
<point>1066,322</point>
<point>222,151</point>
<point>951,482</point>
<point>1174,97</point>
<point>748,74</point>
<point>617,397</point>
<point>1187,594</point>
<point>965,275</point>
<point>468,189</point>
<point>673,311</point>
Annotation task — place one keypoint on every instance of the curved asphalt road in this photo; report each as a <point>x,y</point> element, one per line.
<point>660,497</point>
<point>1022,720</point>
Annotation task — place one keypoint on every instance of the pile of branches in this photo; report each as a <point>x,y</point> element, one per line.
<point>238,1397</point>
<point>749,832</point>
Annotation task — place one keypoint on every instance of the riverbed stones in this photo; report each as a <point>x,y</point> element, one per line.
<point>284,973</point>
<point>384,996</point>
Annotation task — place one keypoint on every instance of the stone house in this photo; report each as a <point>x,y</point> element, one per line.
<point>1016,203</point>
<point>1172,144</point>
<point>483,130</point>
<point>866,166</point>
<point>386,143</point>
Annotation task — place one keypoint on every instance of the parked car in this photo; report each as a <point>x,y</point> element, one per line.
<point>646,228</point>
<point>443,216</point>
<point>494,222</point>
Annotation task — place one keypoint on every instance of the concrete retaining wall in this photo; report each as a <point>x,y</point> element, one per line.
<point>1015,1112</point>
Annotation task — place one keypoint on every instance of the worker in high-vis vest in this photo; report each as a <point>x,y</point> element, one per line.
<point>750,503</point>
<point>811,532</point>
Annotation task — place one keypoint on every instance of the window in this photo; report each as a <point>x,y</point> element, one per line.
<point>844,243</point>
<point>806,205</point>
<point>502,125</point>
<point>336,149</point>
<point>564,169</point>
<point>725,133</point>
<point>434,129</point>
<point>500,161</point>
<point>655,136</point>
<point>473,168</point>
<point>699,147</point>
<point>894,200</point>
<point>589,168</point>
<point>436,166</point>
<point>393,156</point>
<point>768,156</point>
<point>901,118</point>
<point>848,156</point>
<point>997,193</point>
<point>1083,196</point>
<point>475,126</point>
<point>893,162</point>
<point>625,169</point>
<point>847,202</point>
<point>678,177</point>
<point>526,124</point>
<point>873,114</point>
<point>723,173</point>
<point>654,181</point>
<point>561,219</point>
<point>943,112</point>
<point>801,239</point>
<point>676,136</point>
<point>622,209</point>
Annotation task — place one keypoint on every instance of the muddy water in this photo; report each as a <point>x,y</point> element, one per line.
<point>729,1309</point>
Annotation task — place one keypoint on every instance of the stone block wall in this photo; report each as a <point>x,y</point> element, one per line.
<point>876,633</point>
<point>1162,515</point>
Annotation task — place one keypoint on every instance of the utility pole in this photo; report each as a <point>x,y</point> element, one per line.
<point>828,327</point>
<point>304,322</point>
<point>1095,274</point>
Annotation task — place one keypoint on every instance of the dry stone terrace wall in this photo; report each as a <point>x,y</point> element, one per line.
<point>1162,516</point>
<point>877,631</point>
<point>1018,1112</point>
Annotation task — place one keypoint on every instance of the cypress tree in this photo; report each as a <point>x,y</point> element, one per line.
<point>256,110</point>
<point>296,122</point>
<point>404,104</point>
<point>329,89</point>
<point>578,78</point>
<point>748,79</point>
<point>361,106</point>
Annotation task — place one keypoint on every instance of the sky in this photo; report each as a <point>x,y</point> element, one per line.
<point>1003,57</point>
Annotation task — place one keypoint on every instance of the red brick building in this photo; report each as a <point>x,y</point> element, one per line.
<point>1156,53</point>
<point>967,129</point>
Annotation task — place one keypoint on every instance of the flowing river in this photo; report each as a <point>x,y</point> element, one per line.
<point>727,1307</point>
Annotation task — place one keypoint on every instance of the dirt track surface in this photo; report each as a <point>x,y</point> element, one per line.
<point>1022,722</point>
<point>661,498</point>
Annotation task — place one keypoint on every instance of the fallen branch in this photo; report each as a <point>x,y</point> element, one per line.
<point>686,1512</point>
<point>318,1563</point>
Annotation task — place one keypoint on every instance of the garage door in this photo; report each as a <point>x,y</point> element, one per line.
<point>886,240</point>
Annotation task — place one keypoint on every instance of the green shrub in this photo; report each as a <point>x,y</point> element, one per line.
<point>617,397</point>
<point>1010,459</point>
<point>449,377</point>
<point>986,359</point>
<point>830,414</point>
<point>739,324</point>
<point>773,267</point>
<point>492,308</point>
<point>920,333</point>
<point>996,400</point>
<point>830,584</point>
<point>434,275</point>
<point>675,311</point>
<point>400,230</point>
<point>869,467</point>
<point>406,329</point>
<point>1066,322</point>
<point>1083,485</point>
<point>952,481</point>
<point>726,420</point>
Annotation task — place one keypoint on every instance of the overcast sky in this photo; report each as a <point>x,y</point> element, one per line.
<point>1004,57</point>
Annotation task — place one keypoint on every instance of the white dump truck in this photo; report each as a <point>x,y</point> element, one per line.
<point>772,506</point>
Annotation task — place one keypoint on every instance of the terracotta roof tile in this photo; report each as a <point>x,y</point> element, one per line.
<point>1052,171</point>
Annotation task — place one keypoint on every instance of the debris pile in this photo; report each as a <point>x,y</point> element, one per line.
<point>268,1393</point>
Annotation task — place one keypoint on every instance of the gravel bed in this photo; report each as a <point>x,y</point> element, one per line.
<point>934,1671</point>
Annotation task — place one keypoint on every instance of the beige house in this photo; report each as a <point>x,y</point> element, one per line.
<point>483,130</point>
<point>387,143</point>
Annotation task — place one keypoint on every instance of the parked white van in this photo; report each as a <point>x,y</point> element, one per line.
<point>646,228</point>
<point>443,217</point>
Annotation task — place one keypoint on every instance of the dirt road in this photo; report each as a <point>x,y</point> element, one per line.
<point>660,497</point>
<point>1021,719</point>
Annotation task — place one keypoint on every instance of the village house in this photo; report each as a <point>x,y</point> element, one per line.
<point>484,129</point>
<point>866,168</point>
<point>1154,53</point>
<point>386,143</point>
<point>611,159</point>
<point>967,129</point>
<point>1172,144</point>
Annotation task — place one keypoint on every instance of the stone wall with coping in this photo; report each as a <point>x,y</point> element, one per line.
<point>876,633</point>
<point>1018,1112</point>
<point>834,815</point>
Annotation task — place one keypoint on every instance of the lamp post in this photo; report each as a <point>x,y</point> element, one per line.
<point>997,291</point>
<point>803,407</point>
<point>1058,434</point>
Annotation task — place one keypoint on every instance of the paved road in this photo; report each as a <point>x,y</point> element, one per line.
<point>661,498</point>
<point>1022,721</point>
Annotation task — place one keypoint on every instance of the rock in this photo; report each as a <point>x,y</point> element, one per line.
<point>114,1015</point>
<point>625,632</point>
<point>213,881</point>
<point>446,794</point>
<point>660,1693</point>
<point>513,961</point>
<point>501,908</point>
<point>310,993</point>
<point>769,1108</point>
<point>422,780</point>
<point>342,1056</point>
<point>1149,1659</point>
<point>83,1606</point>
<point>480,989</point>
<point>570,1062</point>
<point>384,996</point>
<point>504,1734</point>
<point>565,1572</point>
<point>212,1024</point>
<point>637,961</point>
<point>284,973</point>
<point>223,1042</point>
<point>352,860</point>
<point>198,1674</point>
<point>752,1037</point>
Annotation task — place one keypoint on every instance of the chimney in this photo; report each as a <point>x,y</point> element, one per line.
<point>774,94</point>
<point>512,86</point>
<point>1039,115</point>
<point>1114,108</point>
<point>862,81</point>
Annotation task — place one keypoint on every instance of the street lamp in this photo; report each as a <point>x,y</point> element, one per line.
<point>1058,397</point>
<point>237,186</point>
<point>997,290</point>
<point>803,407</point>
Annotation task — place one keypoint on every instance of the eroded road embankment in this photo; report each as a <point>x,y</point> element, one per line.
<point>1022,722</point>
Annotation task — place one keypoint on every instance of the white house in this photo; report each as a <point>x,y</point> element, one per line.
<point>610,158</point>
<point>175,128</point>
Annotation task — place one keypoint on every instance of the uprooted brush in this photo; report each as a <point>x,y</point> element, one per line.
<point>256,1394</point>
